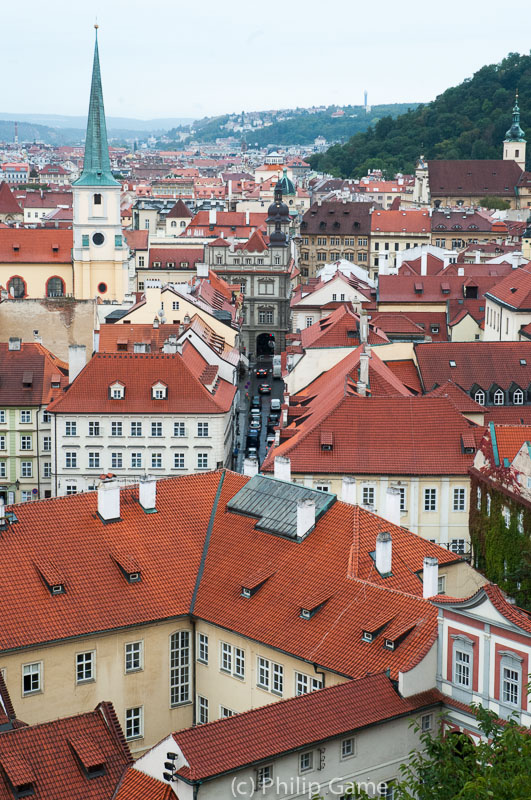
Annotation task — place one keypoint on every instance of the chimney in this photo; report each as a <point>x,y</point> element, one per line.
<point>392,505</point>
<point>156,322</point>
<point>247,217</point>
<point>446,261</point>
<point>109,499</point>
<point>36,338</point>
<point>364,368</point>
<point>460,271</point>
<point>201,270</point>
<point>362,388</point>
<point>282,468</point>
<point>384,550</point>
<point>348,489</point>
<point>77,358</point>
<point>170,345</point>
<point>424,263</point>
<point>3,518</point>
<point>430,576</point>
<point>250,467</point>
<point>364,327</point>
<point>14,343</point>
<point>477,255</point>
<point>96,341</point>
<point>212,216</point>
<point>305,517</point>
<point>147,494</point>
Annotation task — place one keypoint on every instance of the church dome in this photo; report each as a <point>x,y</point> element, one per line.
<point>278,211</point>
<point>286,185</point>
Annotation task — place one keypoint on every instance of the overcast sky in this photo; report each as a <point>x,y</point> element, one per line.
<point>170,58</point>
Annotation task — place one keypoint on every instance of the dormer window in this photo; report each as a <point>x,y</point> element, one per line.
<point>479,397</point>
<point>311,608</point>
<point>117,391</point>
<point>367,636</point>
<point>452,363</point>
<point>327,440</point>
<point>159,391</point>
<point>498,397</point>
<point>58,588</point>
<point>389,644</point>
<point>518,397</point>
<point>253,583</point>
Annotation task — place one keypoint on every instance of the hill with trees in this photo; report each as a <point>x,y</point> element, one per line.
<point>465,121</point>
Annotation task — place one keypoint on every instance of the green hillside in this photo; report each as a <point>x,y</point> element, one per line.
<point>466,121</point>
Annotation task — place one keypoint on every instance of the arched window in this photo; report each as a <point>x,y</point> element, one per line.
<point>174,223</point>
<point>97,199</point>
<point>16,287</point>
<point>183,224</point>
<point>55,287</point>
<point>518,397</point>
<point>479,397</point>
<point>498,397</point>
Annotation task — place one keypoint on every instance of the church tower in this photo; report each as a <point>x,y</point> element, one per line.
<point>514,143</point>
<point>100,253</point>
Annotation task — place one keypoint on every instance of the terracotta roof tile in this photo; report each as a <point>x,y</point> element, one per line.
<point>35,246</point>
<point>137,785</point>
<point>473,177</point>
<point>406,371</point>
<point>514,290</point>
<point>180,210</point>
<point>410,221</point>
<point>339,329</point>
<point>40,368</point>
<point>510,439</point>
<point>8,204</point>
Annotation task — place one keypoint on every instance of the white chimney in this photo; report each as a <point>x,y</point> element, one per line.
<point>305,517</point>
<point>96,341</point>
<point>230,188</point>
<point>250,467</point>
<point>147,493</point>
<point>212,216</point>
<point>364,368</point>
<point>77,358</point>
<point>201,270</point>
<point>348,489</point>
<point>477,255</point>
<point>430,576</point>
<point>170,345</point>
<point>384,552</point>
<point>14,343</point>
<point>364,327</point>
<point>247,217</point>
<point>282,468</point>
<point>392,505</point>
<point>446,261</point>
<point>36,338</point>
<point>424,263</point>
<point>460,271</point>
<point>109,500</point>
<point>362,388</point>
<point>2,514</point>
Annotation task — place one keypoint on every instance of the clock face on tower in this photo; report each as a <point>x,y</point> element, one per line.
<point>98,238</point>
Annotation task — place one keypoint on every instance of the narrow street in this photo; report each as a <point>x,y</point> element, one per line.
<point>248,389</point>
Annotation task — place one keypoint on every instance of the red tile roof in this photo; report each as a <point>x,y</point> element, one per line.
<point>510,438</point>
<point>406,371</point>
<point>179,210</point>
<point>514,614</point>
<point>7,712</point>
<point>34,366</point>
<point>381,436</point>
<point>482,363</point>
<point>339,329</point>
<point>459,221</point>
<point>231,223</point>
<point>514,291</point>
<point>8,204</point>
<point>461,400</point>
<point>430,288</point>
<point>35,246</point>
<point>414,323</point>
<point>176,256</point>
<point>268,732</point>
<point>256,244</point>
<point>137,240</point>
<point>116,338</point>
<point>473,178</point>
<point>47,756</point>
<point>337,219</point>
<point>89,393</point>
<point>137,785</point>
<point>508,415</point>
<point>434,265</point>
<point>411,221</point>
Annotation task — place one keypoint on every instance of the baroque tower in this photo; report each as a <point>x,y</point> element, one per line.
<point>100,253</point>
<point>514,143</point>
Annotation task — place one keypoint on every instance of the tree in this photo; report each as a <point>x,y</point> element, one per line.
<point>451,767</point>
<point>499,203</point>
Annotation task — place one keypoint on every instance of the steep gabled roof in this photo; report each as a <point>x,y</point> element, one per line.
<point>180,210</point>
<point>26,375</point>
<point>339,329</point>
<point>8,204</point>
<point>461,400</point>
<point>513,291</point>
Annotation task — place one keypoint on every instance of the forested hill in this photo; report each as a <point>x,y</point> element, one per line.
<point>466,121</point>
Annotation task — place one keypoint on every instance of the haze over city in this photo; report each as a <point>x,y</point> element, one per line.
<point>189,60</point>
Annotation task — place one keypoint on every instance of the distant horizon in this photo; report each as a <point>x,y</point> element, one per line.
<point>231,57</point>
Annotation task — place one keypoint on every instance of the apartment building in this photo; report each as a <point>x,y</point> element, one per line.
<point>331,231</point>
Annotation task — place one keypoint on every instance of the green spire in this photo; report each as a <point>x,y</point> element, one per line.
<point>96,164</point>
<point>515,133</point>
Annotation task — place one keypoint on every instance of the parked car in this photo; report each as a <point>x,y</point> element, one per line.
<point>273,419</point>
<point>253,437</point>
<point>261,373</point>
<point>252,452</point>
<point>264,388</point>
<point>255,425</point>
<point>256,402</point>
<point>270,439</point>
<point>275,404</point>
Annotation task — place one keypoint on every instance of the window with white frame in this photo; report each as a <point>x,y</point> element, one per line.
<point>70,459</point>
<point>226,657</point>
<point>25,417</point>
<point>479,397</point>
<point>159,391</point>
<point>430,499</point>
<point>136,429</point>
<point>32,678</point>
<point>202,648</point>
<point>3,469</point>
<point>85,666</point>
<point>488,504</point>
<point>116,429</point>
<point>306,761</point>
<point>47,444</point>
<point>156,460</point>
<point>178,460</point>
<point>232,660</point>
<point>498,397</point>
<point>2,416</point>
<point>94,428</point>
<point>459,499</point>
<point>441,584</point>
<point>94,460</point>
<point>264,673</point>
<point>462,663</point>
<point>202,461</point>
<point>47,469</point>
<point>458,546</point>
<point>179,429</point>
<point>264,776</point>
<point>506,511</point>
<point>156,428</point>
<point>323,487</point>
<point>2,442</point>
<point>426,721</point>
<point>136,460</point>
<point>134,723</point>
<point>305,683</point>
<point>518,397</point>
<point>46,417</point>
<point>277,678</point>
<point>134,656</point>
<point>265,316</point>
<point>367,495</point>
<point>225,712</point>
<point>202,429</point>
<point>309,322</point>
<point>26,495</point>
<point>348,748</point>
<point>117,391</point>
<point>71,488</point>
<point>26,469</point>
<point>179,667</point>
<point>26,443</point>
<point>70,428</point>
<point>116,460</point>
<point>511,678</point>
<point>202,710</point>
